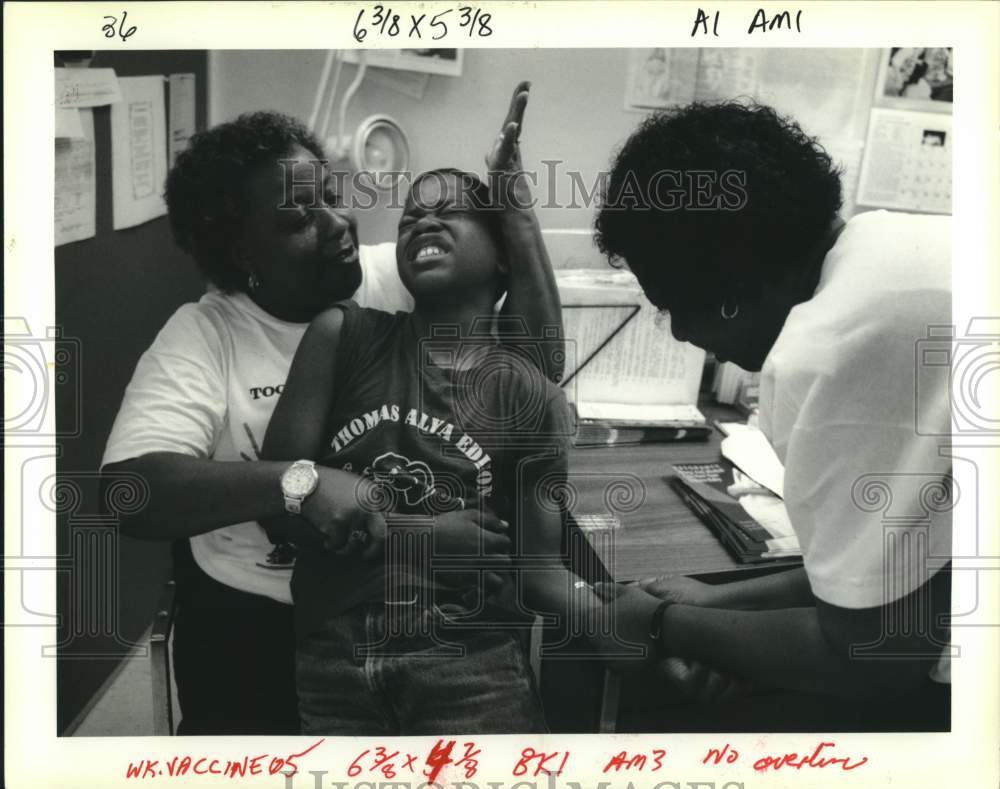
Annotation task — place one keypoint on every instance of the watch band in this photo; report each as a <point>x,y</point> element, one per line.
<point>656,625</point>
<point>293,501</point>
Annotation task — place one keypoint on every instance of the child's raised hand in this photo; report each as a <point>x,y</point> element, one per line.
<point>505,155</point>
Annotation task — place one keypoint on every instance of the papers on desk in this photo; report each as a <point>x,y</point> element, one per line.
<point>750,451</point>
<point>739,498</point>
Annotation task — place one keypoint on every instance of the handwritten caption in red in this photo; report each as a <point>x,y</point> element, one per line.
<point>180,766</point>
<point>465,756</point>
<point>391,762</point>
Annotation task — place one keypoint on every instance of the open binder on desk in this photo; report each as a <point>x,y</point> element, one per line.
<point>629,380</point>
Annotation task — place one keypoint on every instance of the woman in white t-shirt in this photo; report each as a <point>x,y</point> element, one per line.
<point>752,262</point>
<point>254,204</point>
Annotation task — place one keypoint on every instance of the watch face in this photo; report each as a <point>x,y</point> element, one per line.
<point>298,481</point>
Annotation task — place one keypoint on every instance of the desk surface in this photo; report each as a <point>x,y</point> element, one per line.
<point>658,534</point>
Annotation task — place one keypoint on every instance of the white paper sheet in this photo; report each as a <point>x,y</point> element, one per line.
<point>68,124</point>
<point>750,451</point>
<point>181,115</point>
<point>138,151</point>
<point>769,511</point>
<point>75,187</point>
<point>907,162</point>
<point>86,87</point>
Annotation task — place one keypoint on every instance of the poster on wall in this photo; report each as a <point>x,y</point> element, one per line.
<point>138,151</point>
<point>75,184</point>
<point>727,73</point>
<point>427,61</point>
<point>907,162</point>
<point>659,78</point>
<point>86,87</point>
<point>916,78</point>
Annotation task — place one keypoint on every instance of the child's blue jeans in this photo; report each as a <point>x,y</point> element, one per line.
<point>422,673</point>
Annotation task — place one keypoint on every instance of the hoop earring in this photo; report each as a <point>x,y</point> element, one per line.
<point>728,316</point>
<point>252,282</point>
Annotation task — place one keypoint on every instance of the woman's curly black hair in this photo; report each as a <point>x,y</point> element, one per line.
<point>206,186</point>
<point>777,192</point>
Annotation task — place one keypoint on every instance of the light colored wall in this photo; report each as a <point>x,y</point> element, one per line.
<point>576,113</point>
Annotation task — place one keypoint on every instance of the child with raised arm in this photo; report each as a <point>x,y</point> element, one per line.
<point>428,407</point>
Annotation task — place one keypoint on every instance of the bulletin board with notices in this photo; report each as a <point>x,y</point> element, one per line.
<point>146,136</point>
<point>118,277</point>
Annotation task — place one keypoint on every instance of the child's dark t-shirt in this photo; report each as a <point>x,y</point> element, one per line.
<point>436,440</point>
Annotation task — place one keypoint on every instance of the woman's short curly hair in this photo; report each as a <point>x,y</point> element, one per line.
<point>206,187</point>
<point>780,192</point>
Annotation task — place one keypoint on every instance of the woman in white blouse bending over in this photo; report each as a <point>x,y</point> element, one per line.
<point>755,265</point>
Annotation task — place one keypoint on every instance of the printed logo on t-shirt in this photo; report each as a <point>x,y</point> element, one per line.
<point>357,427</point>
<point>412,478</point>
<point>254,446</point>
<point>257,392</point>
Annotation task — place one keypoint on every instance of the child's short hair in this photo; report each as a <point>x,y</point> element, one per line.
<point>474,193</point>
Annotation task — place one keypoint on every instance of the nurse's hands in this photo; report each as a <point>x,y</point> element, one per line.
<point>679,589</point>
<point>694,680</point>
<point>630,612</point>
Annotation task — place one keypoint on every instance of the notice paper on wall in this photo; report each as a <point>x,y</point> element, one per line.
<point>86,87</point>
<point>75,187</point>
<point>68,124</point>
<point>138,151</point>
<point>181,115</point>
<point>907,162</point>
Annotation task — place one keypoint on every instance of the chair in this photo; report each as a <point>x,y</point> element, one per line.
<point>159,645</point>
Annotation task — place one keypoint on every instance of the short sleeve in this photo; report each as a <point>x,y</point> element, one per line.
<point>381,288</point>
<point>176,400</point>
<point>867,493</point>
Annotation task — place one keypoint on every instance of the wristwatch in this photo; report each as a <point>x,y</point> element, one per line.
<point>297,483</point>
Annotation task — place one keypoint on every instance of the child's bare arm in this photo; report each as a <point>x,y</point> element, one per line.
<point>298,426</point>
<point>532,293</point>
<point>298,430</point>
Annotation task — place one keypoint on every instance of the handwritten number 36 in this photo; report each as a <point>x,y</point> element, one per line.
<point>111,32</point>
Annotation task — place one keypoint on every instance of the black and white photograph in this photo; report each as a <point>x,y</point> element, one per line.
<point>918,78</point>
<point>620,400</point>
